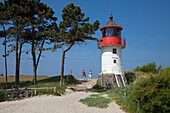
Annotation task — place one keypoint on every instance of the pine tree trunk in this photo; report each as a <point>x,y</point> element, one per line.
<point>17,64</point>
<point>38,59</point>
<point>62,66</point>
<point>19,58</point>
<point>63,59</point>
<point>34,71</point>
<point>6,74</point>
<point>33,58</point>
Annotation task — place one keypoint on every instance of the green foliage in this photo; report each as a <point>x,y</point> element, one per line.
<point>130,76</point>
<point>153,94</point>
<point>73,89</point>
<point>97,86</point>
<point>100,102</point>
<point>149,68</point>
<point>2,93</point>
<point>97,95</point>
<point>122,98</point>
<point>165,71</point>
<point>74,27</point>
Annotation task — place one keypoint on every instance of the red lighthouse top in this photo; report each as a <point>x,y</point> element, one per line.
<point>111,35</point>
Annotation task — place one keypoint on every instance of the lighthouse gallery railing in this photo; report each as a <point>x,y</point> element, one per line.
<point>121,41</point>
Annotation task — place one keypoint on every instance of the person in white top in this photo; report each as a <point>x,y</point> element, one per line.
<point>90,74</point>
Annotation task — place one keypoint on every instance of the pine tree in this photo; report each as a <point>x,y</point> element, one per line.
<point>74,29</point>
<point>30,21</point>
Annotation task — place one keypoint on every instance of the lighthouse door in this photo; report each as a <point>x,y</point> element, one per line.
<point>114,65</point>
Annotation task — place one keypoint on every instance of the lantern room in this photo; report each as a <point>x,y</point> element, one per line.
<point>111,35</point>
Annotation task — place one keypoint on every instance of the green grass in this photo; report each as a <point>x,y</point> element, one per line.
<point>97,86</point>
<point>97,95</point>
<point>22,78</point>
<point>100,102</point>
<point>122,99</point>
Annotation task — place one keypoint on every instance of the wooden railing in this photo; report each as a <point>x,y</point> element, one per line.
<point>35,89</point>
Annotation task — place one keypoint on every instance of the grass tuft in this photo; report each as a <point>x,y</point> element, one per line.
<point>100,102</point>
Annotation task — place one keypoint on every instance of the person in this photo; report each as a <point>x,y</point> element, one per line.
<point>83,74</point>
<point>90,74</point>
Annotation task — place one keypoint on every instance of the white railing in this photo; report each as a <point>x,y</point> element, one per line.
<point>121,74</point>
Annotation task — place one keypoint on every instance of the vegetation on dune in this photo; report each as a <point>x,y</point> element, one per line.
<point>165,71</point>
<point>43,81</point>
<point>151,93</point>
<point>147,92</point>
<point>11,78</point>
<point>97,86</point>
<point>149,68</point>
<point>98,101</point>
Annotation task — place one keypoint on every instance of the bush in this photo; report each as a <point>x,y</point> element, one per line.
<point>153,94</point>
<point>165,71</point>
<point>130,76</point>
<point>2,93</point>
<point>97,86</point>
<point>121,96</point>
<point>149,68</point>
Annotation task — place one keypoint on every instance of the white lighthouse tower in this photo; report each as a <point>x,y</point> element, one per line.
<point>111,48</point>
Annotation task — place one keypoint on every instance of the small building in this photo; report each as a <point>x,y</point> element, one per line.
<point>111,46</point>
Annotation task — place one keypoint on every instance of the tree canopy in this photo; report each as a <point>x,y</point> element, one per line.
<point>149,68</point>
<point>74,29</point>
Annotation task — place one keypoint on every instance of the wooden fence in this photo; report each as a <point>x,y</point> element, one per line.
<point>35,89</point>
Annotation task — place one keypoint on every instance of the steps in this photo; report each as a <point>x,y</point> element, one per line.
<point>120,77</point>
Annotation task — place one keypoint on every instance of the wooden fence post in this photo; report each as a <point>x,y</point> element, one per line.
<point>54,89</point>
<point>60,83</point>
<point>35,92</point>
<point>63,81</point>
<point>138,105</point>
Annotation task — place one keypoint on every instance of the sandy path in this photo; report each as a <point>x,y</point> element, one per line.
<point>54,104</point>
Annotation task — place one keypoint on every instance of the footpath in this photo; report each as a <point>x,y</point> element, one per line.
<point>68,103</point>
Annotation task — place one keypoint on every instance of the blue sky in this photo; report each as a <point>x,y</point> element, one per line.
<point>145,27</point>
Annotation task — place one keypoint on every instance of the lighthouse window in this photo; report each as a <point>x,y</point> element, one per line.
<point>114,61</point>
<point>103,33</point>
<point>111,32</point>
<point>119,32</point>
<point>114,51</point>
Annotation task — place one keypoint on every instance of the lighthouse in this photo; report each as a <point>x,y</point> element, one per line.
<point>111,46</point>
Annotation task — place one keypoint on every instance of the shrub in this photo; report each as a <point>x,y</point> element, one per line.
<point>149,68</point>
<point>97,86</point>
<point>166,71</point>
<point>2,93</point>
<point>130,76</point>
<point>153,94</point>
<point>122,97</point>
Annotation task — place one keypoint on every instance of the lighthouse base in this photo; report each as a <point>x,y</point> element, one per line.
<point>109,80</point>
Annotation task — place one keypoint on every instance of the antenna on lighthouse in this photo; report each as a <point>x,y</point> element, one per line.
<point>111,17</point>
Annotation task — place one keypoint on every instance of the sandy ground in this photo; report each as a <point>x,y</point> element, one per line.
<point>68,103</point>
